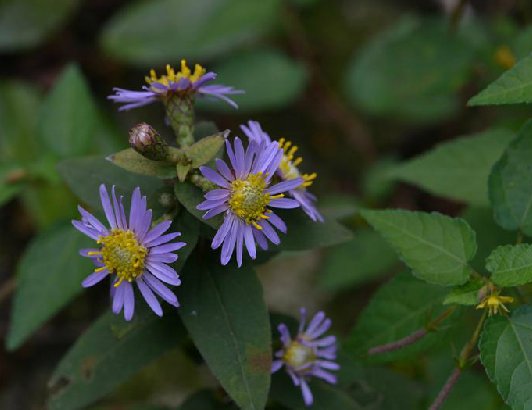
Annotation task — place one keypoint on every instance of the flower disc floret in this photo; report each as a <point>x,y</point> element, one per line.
<point>122,254</point>
<point>298,355</point>
<point>174,77</point>
<point>289,165</point>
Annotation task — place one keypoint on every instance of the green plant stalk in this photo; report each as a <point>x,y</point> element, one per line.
<point>180,112</point>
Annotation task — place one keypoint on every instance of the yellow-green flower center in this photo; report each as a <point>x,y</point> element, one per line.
<point>123,255</point>
<point>297,354</point>
<point>288,165</point>
<point>248,199</point>
<point>175,76</point>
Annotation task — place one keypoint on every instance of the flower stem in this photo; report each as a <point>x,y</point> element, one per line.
<point>180,112</point>
<point>457,371</point>
<point>412,338</point>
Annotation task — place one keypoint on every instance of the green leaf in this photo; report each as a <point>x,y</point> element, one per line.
<point>398,309</point>
<point>189,227</point>
<point>458,169</point>
<point>205,149</point>
<point>27,23</point>
<point>224,312</point>
<point>85,175</point>
<point>49,275</point>
<point>159,31</point>
<point>19,103</point>
<point>132,161</point>
<point>99,362</point>
<point>68,118</point>
<point>512,87</point>
<point>506,353</point>
<point>436,247</point>
<point>190,196</point>
<point>510,184</point>
<point>303,233</point>
<point>411,71</point>
<point>182,171</point>
<point>466,294</point>
<point>365,258</point>
<point>489,235</point>
<point>511,265</point>
<point>282,80</point>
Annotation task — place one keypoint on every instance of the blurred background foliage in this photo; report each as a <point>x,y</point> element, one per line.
<point>361,86</point>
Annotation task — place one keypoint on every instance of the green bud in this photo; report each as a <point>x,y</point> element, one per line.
<point>144,139</point>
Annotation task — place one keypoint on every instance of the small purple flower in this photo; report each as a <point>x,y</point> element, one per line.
<point>307,354</point>
<point>182,82</point>
<point>129,252</point>
<point>288,169</point>
<point>245,196</point>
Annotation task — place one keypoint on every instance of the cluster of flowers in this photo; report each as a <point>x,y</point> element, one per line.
<point>263,176</point>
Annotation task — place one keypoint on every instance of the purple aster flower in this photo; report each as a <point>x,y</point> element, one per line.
<point>129,251</point>
<point>181,82</point>
<point>288,169</point>
<point>245,196</point>
<point>307,354</point>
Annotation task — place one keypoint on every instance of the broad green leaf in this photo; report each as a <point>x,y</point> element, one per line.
<point>224,313</point>
<point>411,71</point>
<point>49,275</point>
<point>205,149</point>
<point>99,362</point>
<point>398,309</point>
<point>510,184</point>
<point>489,235</point>
<point>466,294</point>
<point>84,176</point>
<point>365,258</point>
<point>132,161</point>
<point>303,233</point>
<point>282,80</point>
<point>506,353</point>
<point>458,169</point>
<point>68,118</point>
<point>19,103</point>
<point>512,87</point>
<point>163,31</point>
<point>190,196</point>
<point>511,265</point>
<point>27,23</point>
<point>436,247</point>
<point>188,225</point>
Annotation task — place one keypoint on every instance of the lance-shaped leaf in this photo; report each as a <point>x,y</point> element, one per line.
<point>506,353</point>
<point>205,149</point>
<point>511,265</point>
<point>458,169</point>
<point>68,118</point>
<point>84,176</point>
<point>224,312</point>
<point>401,307</point>
<point>435,246</point>
<point>510,184</point>
<point>99,361</point>
<point>512,87</point>
<point>49,275</point>
<point>131,160</point>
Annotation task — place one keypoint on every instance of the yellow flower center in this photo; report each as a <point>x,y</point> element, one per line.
<point>297,354</point>
<point>173,76</point>
<point>504,57</point>
<point>248,199</point>
<point>289,165</point>
<point>122,254</point>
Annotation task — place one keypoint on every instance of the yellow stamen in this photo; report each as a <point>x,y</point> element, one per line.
<point>123,255</point>
<point>494,303</point>
<point>248,199</point>
<point>297,354</point>
<point>173,76</point>
<point>289,165</point>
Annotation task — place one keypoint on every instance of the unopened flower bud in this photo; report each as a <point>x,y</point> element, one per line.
<point>144,139</point>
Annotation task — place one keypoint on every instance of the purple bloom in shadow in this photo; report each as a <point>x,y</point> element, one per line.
<point>130,252</point>
<point>288,169</point>
<point>183,82</point>
<point>245,195</point>
<point>308,354</point>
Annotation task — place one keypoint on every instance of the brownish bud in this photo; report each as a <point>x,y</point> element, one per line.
<point>144,139</point>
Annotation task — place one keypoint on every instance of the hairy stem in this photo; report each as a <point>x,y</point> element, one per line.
<point>180,112</point>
